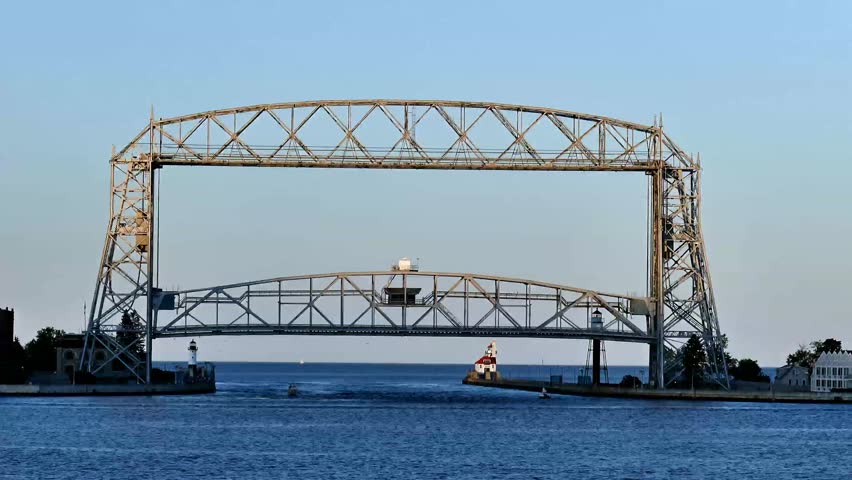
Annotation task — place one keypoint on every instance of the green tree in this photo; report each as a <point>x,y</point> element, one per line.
<point>630,381</point>
<point>694,360</point>
<point>41,350</point>
<point>673,361</point>
<point>722,344</point>
<point>806,356</point>
<point>131,330</point>
<point>748,370</point>
<point>803,357</point>
<point>829,345</point>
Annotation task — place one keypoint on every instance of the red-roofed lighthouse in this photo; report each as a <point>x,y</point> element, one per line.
<point>486,366</point>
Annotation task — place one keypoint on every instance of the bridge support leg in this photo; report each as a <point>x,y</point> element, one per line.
<point>150,312</point>
<point>596,362</point>
<point>656,360</point>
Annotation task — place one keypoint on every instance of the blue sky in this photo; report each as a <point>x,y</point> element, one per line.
<point>761,89</point>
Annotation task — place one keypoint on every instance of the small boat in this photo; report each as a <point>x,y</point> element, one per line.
<point>292,391</point>
<point>544,395</point>
<point>301,362</point>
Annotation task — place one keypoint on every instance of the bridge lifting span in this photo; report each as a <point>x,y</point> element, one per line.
<point>407,134</point>
<point>400,303</point>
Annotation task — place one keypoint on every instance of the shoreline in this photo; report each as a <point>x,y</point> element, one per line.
<point>46,390</point>
<point>689,395</point>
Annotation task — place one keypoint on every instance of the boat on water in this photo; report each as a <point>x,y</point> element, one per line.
<point>292,390</point>
<point>544,395</point>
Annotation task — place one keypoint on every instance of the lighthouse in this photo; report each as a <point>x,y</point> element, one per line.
<point>192,364</point>
<point>486,366</point>
<point>597,350</point>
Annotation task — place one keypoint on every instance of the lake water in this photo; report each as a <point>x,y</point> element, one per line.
<point>413,421</point>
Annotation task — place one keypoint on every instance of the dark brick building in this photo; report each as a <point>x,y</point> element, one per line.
<point>7,332</point>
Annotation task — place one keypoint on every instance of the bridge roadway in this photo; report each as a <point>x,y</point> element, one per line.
<point>402,303</point>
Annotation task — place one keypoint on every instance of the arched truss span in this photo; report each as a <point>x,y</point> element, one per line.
<point>401,303</point>
<point>411,134</point>
<point>407,134</point>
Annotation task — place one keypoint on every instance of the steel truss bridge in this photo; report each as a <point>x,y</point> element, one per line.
<point>404,134</point>
<point>401,303</point>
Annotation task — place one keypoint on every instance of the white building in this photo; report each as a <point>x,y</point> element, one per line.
<point>832,371</point>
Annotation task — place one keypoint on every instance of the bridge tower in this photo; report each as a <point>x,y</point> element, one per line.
<point>680,300</point>
<point>126,276</point>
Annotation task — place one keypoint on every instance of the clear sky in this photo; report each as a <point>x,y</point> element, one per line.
<point>761,89</point>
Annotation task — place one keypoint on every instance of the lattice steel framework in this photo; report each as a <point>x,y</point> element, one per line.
<point>401,303</point>
<point>410,134</point>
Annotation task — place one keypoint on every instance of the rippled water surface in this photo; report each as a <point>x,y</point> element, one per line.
<point>412,421</point>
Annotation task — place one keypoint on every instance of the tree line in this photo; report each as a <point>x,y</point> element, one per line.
<point>39,354</point>
<point>807,355</point>
<point>691,362</point>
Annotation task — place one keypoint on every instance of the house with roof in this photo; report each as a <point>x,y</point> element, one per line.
<point>792,378</point>
<point>832,371</point>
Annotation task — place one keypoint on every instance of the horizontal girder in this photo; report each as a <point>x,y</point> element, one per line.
<point>410,102</point>
<point>579,334</point>
<point>407,134</point>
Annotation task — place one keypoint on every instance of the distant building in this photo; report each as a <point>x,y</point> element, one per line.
<point>7,331</point>
<point>7,341</point>
<point>69,348</point>
<point>832,371</point>
<point>792,378</point>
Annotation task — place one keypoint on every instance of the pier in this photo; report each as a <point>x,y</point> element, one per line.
<point>697,395</point>
<point>46,390</point>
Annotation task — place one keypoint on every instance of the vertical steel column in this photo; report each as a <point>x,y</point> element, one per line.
<point>404,297</point>
<point>372,300</point>
<point>596,362</point>
<point>341,302</point>
<point>149,314</point>
<point>435,301</point>
<point>656,365</point>
<point>466,302</point>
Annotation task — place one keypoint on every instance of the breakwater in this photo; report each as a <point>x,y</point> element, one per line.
<point>647,394</point>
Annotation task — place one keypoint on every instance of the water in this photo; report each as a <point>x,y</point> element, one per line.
<point>413,421</point>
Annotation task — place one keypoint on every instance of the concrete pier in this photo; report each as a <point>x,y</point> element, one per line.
<point>692,395</point>
<point>105,390</point>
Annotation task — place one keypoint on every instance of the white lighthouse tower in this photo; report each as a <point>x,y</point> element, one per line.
<point>192,364</point>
